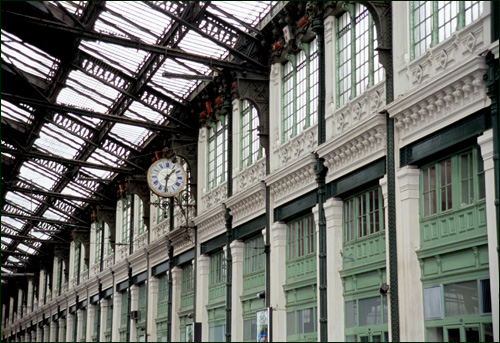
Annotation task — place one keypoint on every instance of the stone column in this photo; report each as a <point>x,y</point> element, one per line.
<point>91,313</point>
<point>53,332</point>
<point>134,306</point>
<point>333,215</point>
<point>278,278</point>
<point>411,319</point>
<point>62,325</point>
<point>79,324</point>
<point>117,307</point>
<point>69,326</point>
<point>176,302</point>
<point>485,141</point>
<point>3,316</point>
<point>104,308</point>
<point>39,333</point>
<point>152,308</point>
<point>20,302</point>
<point>202,294</point>
<point>237,250</point>
<point>11,310</point>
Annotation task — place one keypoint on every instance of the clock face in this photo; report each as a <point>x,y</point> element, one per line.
<point>166,178</point>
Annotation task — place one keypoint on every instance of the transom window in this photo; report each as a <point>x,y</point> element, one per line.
<point>300,91</point>
<point>217,153</point>
<point>363,215</point>
<point>451,183</point>
<point>434,21</point>
<point>358,66</point>
<point>217,268</point>
<point>254,255</point>
<point>251,150</point>
<point>301,238</point>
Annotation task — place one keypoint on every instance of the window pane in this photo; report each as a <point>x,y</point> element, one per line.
<point>370,311</point>
<point>290,323</point>
<point>485,296</point>
<point>433,307</point>
<point>351,314</point>
<point>435,334</point>
<point>488,332</point>
<point>461,299</point>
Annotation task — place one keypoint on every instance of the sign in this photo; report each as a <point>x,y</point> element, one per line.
<point>264,317</point>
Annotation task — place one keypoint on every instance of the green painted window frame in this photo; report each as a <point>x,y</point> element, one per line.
<point>124,310</point>
<point>217,269</point>
<point>357,332</point>
<point>363,215</point>
<point>127,208</point>
<point>187,283</point>
<point>250,148</point>
<point>140,216</point>
<point>299,91</point>
<point>432,22</point>
<point>357,69</point>
<point>254,256</point>
<point>444,182</point>
<point>211,333</point>
<point>76,263</point>
<point>99,228</point>
<point>107,233</point>
<point>162,307</point>
<point>95,333</point>
<point>142,304</point>
<point>293,324</point>
<point>109,320</point>
<point>301,238</point>
<point>437,325</point>
<point>217,152</point>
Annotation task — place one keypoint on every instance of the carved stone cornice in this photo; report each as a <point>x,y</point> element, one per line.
<point>137,261</point>
<point>214,197</point>
<point>250,176</point>
<point>293,180</point>
<point>361,145</point>
<point>248,204</point>
<point>182,239</point>
<point>297,148</point>
<point>440,102</point>
<point>210,223</point>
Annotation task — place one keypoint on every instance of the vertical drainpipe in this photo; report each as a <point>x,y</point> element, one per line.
<point>98,309</point>
<point>129,301</point>
<point>228,218</point>
<point>170,250</point>
<point>491,82</point>
<point>147,299</point>
<point>320,171</point>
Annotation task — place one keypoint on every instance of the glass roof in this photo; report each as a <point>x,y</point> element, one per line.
<point>102,78</point>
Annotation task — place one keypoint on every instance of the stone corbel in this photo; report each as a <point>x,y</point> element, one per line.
<point>257,92</point>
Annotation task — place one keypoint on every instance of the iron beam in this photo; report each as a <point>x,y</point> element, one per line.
<point>40,219</point>
<point>50,194</point>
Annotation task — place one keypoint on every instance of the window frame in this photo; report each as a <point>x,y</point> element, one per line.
<point>217,137</point>
<point>254,256</point>
<point>300,238</point>
<point>374,71</point>
<point>463,17</point>
<point>311,94</point>
<point>217,265</point>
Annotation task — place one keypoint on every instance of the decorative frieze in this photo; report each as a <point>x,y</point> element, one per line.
<point>214,197</point>
<point>298,147</point>
<point>210,223</point>
<point>250,175</point>
<point>161,229</point>
<point>293,180</point>
<point>182,239</point>
<point>460,46</point>
<point>248,204</point>
<point>360,109</point>
<point>141,241</point>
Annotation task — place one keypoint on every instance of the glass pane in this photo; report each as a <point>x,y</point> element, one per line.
<point>485,296</point>
<point>435,334</point>
<point>350,314</point>
<point>290,323</point>
<point>306,320</point>
<point>453,335</point>
<point>433,303</point>
<point>472,334</point>
<point>488,332</point>
<point>370,311</point>
<point>461,299</point>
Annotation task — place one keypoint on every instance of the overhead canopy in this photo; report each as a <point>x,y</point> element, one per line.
<point>86,86</point>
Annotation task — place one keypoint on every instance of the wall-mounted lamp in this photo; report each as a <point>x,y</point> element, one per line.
<point>384,289</point>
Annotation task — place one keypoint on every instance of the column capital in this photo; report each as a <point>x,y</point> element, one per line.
<point>485,141</point>
<point>237,249</point>
<point>278,232</point>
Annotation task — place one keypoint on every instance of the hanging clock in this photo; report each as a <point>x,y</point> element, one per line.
<point>166,178</point>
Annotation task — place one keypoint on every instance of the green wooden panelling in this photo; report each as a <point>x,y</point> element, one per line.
<point>363,284</point>
<point>368,250</point>
<point>301,269</point>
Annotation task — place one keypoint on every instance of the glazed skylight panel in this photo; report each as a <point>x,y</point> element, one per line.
<point>27,57</point>
<point>248,11</point>
<point>138,111</point>
<point>131,134</point>
<point>58,142</point>
<point>32,171</point>
<point>14,112</point>
<point>75,7</point>
<point>29,203</point>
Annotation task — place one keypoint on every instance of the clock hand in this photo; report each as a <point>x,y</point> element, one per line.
<point>168,177</point>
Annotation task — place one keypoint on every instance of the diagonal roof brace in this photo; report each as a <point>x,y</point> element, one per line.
<point>65,161</point>
<point>7,187</point>
<point>78,111</point>
<point>41,219</point>
<point>151,48</point>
